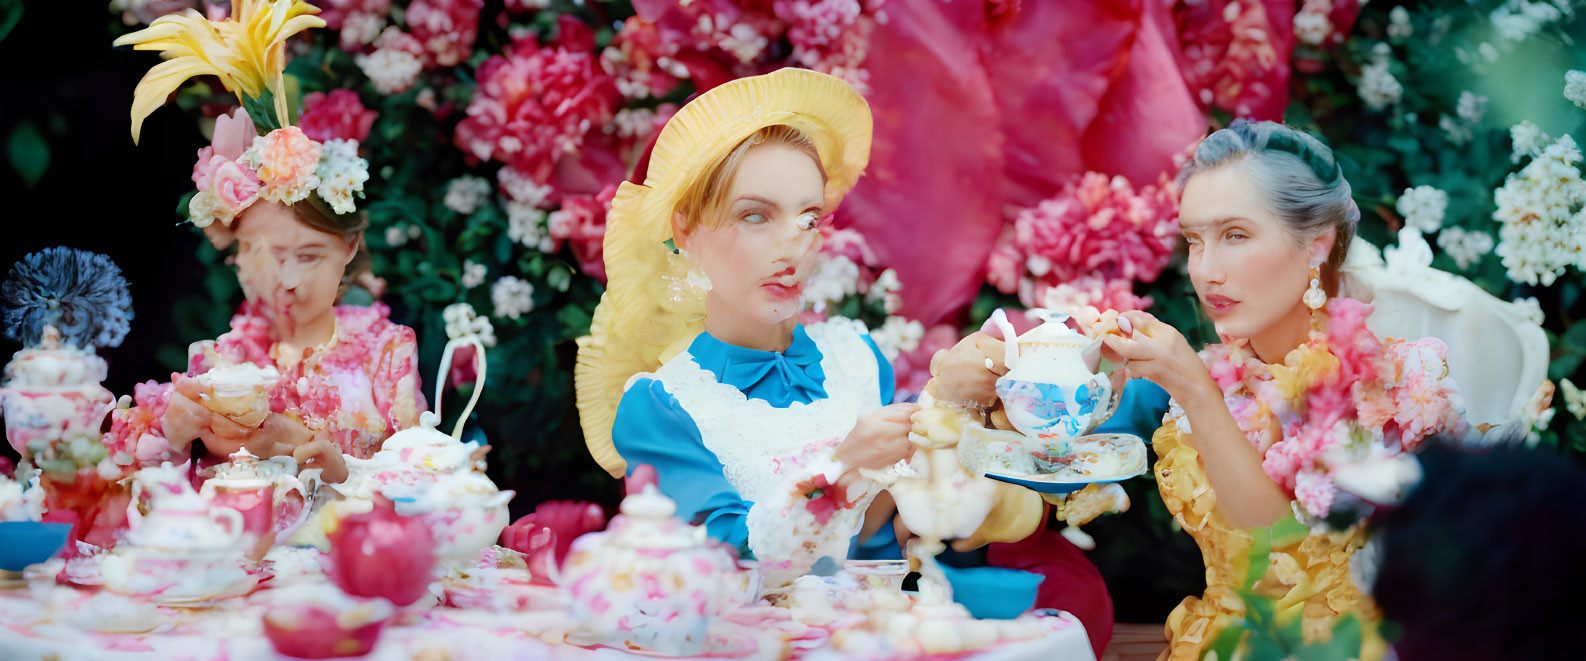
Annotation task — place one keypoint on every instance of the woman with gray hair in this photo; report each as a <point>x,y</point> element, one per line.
<point>1273,431</point>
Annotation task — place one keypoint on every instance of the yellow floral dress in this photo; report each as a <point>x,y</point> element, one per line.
<point>1309,575</point>
<point>1341,400</point>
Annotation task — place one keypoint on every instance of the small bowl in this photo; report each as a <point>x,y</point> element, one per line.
<point>882,574</point>
<point>29,543</point>
<point>994,593</point>
<point>320,630</point>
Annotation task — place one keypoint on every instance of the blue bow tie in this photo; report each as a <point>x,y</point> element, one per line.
<point>794,375</point>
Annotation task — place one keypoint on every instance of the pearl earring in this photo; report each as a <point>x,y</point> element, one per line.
<point>1315,297</point>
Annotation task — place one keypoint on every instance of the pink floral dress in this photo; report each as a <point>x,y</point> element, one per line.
<point>359,388</point>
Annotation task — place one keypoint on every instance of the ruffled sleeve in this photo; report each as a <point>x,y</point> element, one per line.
<point>652,428</point>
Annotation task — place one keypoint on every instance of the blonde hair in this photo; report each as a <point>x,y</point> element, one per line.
<point>703,199</point>
<point>651,309</point>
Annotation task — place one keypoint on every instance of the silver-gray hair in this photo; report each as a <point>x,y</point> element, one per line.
<point>1295,173</point>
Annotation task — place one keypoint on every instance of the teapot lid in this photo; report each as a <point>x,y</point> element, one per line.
<point>647,522</point>
<point>242,472</point>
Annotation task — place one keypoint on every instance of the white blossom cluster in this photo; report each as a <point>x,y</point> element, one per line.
<point>898,335</point>
<point>462,321</point>
<point>1542,209</point>
<point>512,297</point>
<point>1378,88</point>
<point>833,280</point>
<point>1423,208</point>
<point>466,194</point>
<point>1464,246</point>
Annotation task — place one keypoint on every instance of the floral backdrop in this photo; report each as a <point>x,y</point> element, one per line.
<point>1025,155</point>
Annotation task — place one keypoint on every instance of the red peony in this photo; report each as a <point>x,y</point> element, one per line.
<point>536,103</point>
<point>447,28</point>
<point>338,115</point>
<point>582,223</point>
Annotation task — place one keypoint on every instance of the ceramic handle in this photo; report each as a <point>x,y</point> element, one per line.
<point>1010,339</point>
<point>288,485</point>
<point>445,370</point>
<point>233,517</point>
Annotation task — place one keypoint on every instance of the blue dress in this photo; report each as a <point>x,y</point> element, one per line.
<point>653,428</point>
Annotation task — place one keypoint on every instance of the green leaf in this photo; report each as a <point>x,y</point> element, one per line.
<point>1222,648</point>
<point>10,14</point>
<point>560,278</point>
<point>29,153</point>
<point>1260,551</point>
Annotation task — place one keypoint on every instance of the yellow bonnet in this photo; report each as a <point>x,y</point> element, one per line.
<point>647,314</point>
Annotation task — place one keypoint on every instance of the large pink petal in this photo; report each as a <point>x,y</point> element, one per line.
<point>928,202</point>
<point>1148,115</point>
<point>1050,66</point>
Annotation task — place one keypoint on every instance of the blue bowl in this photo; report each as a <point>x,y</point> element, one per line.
<point>24,543</point>
<point>994,593</point>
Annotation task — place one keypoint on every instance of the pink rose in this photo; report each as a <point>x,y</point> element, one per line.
<point>204,166</point>
<point>233,184</point>
<point>339,114</point>
<point>287,160</point>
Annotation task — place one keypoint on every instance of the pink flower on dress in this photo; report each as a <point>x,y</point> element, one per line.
<point>1422,407</point>
<point>337,115</point>
<point>447,28</point>
<point>1315,491</point>
<point>1283,460</point>
<point>535,104</point>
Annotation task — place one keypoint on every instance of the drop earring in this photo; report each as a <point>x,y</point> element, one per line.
<point>1315,297</point>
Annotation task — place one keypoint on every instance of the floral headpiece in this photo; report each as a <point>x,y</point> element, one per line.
<point>247,53</point>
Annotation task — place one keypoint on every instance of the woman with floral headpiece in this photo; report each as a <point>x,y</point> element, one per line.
<point>329,380</point>
<point>1302,416</point>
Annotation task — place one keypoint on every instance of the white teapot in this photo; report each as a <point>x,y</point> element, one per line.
<point>1052,392</point>
<point>186,549</point>
<point>431,474</point>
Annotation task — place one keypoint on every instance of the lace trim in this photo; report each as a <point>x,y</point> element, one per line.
<point>756,442</point>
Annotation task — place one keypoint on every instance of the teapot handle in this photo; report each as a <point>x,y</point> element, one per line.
<point>233,519</point>
<point>446,368</point>
<point>1010,339</point>
<point>288,485</point>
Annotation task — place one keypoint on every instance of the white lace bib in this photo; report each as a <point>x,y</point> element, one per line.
<point>750,435</point>
<point>767,451</point>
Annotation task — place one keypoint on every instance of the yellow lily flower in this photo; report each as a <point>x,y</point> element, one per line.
<point>246,52</point>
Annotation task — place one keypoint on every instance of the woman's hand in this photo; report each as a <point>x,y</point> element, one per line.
<point>1159,353</point>
<point>322,454</point>
<point>185,418</point>
<point>960,374</point>
<point>878,440</point>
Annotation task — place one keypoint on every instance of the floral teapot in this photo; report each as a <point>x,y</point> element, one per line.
<point>51,399</point>
<point>650,580</point>
<point>268,494</point>
<point>436,476</point>
<point>186,549</point>
<point>1052,392</point>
